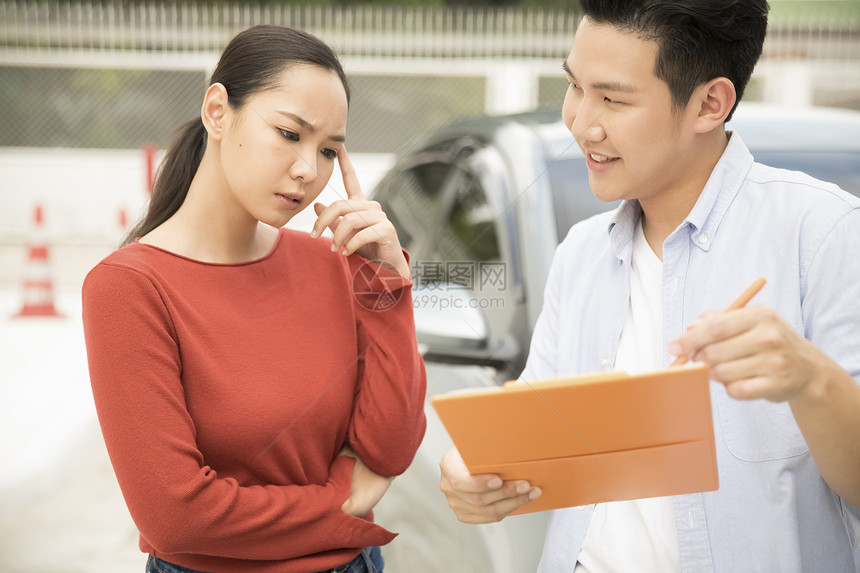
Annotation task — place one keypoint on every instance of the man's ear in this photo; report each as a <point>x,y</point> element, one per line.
<point>215,108</point>
<point>713,100</point>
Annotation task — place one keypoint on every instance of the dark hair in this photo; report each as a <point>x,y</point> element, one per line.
<point>251,63</point>
<point>698,40</point>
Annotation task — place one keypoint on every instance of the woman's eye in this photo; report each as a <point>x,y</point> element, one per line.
<point>292,136</point>
<point>329,153</point>
<point>607,100</point>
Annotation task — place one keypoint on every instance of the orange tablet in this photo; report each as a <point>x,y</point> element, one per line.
<point>591,438</point>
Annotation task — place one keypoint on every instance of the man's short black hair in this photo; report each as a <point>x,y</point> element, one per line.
<point>698,40</point>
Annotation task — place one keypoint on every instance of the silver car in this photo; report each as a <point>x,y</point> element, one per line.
<point>481,206</point>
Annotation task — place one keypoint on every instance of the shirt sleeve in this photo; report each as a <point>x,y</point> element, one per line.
<point>831,294</point>
<point>388,420</point>
<point>831,309</point>
<point>178,502</point>
<point>542,362</point>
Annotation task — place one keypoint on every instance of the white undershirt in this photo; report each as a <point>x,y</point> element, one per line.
<point>638,535</point>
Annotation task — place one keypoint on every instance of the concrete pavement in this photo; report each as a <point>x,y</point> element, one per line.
<point>60,507</point>
<point>78,525</point>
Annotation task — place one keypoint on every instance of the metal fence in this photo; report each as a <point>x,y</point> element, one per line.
<point>403,31</point>
<point>368,30</point>
<point>117,75</point>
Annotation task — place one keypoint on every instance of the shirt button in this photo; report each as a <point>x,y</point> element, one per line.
<point>703,239</point>
<point>605,362</point>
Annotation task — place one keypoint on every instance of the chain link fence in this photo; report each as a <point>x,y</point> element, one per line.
<point>114,108</point>
<point>94,107</point>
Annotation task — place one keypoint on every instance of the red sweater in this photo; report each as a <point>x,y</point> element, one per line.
<point>224,393</point>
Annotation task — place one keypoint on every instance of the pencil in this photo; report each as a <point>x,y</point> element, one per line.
<point>739,302</point>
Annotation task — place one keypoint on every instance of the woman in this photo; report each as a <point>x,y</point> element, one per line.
<point>257,388</point>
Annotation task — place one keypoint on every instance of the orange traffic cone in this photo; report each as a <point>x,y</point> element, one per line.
<point>37,285</point>
<point>150,153</point>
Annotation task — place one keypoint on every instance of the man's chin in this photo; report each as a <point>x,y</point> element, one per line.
<point>603,192</point>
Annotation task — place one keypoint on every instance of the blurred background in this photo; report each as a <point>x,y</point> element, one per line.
<point>90,95</point>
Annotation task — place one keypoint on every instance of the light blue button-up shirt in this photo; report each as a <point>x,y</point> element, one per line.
<point>773,511</point>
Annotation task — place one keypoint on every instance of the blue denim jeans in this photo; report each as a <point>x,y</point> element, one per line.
<point>368,561</point>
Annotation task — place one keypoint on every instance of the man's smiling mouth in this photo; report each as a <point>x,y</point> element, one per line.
<point>601,158</point>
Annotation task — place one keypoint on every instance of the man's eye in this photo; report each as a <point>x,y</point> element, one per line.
<point>289,135</point>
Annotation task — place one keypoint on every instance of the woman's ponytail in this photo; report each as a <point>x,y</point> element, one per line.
<point>173,179</point>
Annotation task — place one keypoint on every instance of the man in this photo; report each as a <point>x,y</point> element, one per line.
<point>652,83</point>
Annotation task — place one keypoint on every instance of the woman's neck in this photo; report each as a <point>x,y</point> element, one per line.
<point>211,225</point>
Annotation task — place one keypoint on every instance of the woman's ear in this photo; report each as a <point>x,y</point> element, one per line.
<point>215,107</point>
<point>714,99</point>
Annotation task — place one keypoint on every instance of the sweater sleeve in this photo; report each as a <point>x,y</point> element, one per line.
<point>178,502</point>
<point>388,420</point>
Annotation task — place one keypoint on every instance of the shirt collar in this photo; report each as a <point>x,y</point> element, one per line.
<point>705,217</point>
<point>723,185</point>
<point>621,227</point>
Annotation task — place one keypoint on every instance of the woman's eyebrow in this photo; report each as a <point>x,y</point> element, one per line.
<point>307,125</point>
<point>298,119</point>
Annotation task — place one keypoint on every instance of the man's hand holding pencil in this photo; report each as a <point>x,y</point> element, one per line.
<point>753,351</point>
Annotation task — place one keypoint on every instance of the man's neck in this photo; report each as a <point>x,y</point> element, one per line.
<point>662,213</point>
